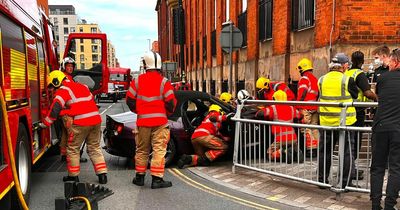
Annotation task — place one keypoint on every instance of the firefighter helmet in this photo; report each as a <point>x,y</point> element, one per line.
<point>280,95</point>
<point>243,94</point>
<point>66,61</point>
<point>215,107</point>
<point>262,83</point>
<point>55,78</point>
<point>225,97</point>
<point>152,60</point>
<point>304,65</point>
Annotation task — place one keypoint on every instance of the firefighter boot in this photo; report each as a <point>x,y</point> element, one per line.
<point>139,179</point>
<point>71,178</point>
<point>203,161</point>
<point>102,178</point>
<point>184,160</point>
<point>158,182</point>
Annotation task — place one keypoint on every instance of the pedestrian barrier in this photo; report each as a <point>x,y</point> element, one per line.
<point>255,142</point>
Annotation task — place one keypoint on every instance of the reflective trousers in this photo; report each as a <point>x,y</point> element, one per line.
<point>66,123</point>
<point>78,134</point>
<point>311,117</point>
<point>155,139</point>
<point>209,146</point>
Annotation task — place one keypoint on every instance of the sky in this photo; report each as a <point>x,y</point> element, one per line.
<point>128,24</point>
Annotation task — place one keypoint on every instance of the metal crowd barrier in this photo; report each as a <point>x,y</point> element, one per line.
<point>254,137</point>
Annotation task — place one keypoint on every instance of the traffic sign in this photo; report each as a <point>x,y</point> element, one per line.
<point>237,38</point>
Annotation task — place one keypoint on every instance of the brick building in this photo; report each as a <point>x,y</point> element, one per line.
<point>277,35</point>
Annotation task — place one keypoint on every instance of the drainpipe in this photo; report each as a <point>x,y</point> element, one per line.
<point>332,28</point>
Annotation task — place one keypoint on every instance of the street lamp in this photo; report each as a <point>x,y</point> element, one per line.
<point>149,44</point>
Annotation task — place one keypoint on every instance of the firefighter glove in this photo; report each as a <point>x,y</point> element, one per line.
<point>42,125</point>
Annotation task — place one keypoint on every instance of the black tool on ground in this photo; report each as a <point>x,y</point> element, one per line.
<point>73,190</point>
<point>82,159</point>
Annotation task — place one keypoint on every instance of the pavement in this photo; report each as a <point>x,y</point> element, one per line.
<point>280,190</point>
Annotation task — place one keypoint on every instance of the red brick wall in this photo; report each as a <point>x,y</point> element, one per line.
<point>210,27</point>
<point>280,26</point>
<point>252,29</point>
<point>323,23</point>
<point>220,20</point>
<point>163,32</point>
<point>373,21</point>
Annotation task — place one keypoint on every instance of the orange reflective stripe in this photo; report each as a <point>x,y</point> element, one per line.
<point>194,159</point>
<point>48,120</point>
<point>100,166</point>
<point>216,143</point>
<point>157,170</point>
<point>140,168</point>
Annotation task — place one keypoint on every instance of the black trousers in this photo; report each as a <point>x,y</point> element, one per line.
<point>357,140</point>
<point>385,146</point>
<point>327,140</point>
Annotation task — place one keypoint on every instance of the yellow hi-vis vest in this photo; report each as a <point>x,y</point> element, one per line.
<point>354,74</point>
<point>333,88</point>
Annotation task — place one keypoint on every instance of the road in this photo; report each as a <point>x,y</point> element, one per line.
<point>189,191</point>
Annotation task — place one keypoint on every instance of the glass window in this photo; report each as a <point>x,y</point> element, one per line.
<point>95,49</point>
<point>95,57</point>
<point>55,20</point>
<point>244,5</point>
<point>72,29</point>
<point>82,58</point>
<point>227,9</point>
<point>65,21</point>
<point>93,30</point>
<point>65,30</point>
<point>303,14</point>
<point>82,66</point>
<point>80,29</point>
<point>82,48</point>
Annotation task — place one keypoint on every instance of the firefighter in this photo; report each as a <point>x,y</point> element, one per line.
<point>265,89</point>
<point>284,145</point>
<point>67,67</point>
<point>152,98</point>
<point>335,86</point>
<point>207,142</point>
<point>78,102</point>
<point>308,91</point>
<point>226,97</point>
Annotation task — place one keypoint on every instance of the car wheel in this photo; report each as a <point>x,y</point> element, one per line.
<point>23,164</point>
<point>171,152</point>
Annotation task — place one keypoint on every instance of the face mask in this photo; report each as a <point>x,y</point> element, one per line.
<point>378,62</point>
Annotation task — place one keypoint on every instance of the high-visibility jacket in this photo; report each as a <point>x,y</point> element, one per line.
<point>76,101</point>
<point>333,87</point>
<point>275,86</point>
<point>151,92</point>
<point>354,74</point>
<point>307,90</point>
<point>69,76</point>
<point>281,113</point>
<point>210,125</point>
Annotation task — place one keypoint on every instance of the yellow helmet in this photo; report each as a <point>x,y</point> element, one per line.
<point>225,97</point>
<point>280,95</point>
<point>55,78</point>
<point>262,83</point>
<point>215,107</point>
<point>304,65</point>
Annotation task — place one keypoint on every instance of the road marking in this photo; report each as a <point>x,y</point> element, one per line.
<point>107,109</point>
<point>205,188</point>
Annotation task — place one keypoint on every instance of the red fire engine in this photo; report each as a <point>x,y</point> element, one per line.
<point>121,77</point>
<point>27,55</point>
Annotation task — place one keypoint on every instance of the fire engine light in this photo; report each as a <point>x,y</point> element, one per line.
<point>118,129</point>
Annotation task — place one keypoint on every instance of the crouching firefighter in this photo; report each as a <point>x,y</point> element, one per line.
<point>75,100</point>
<point>152,98</point>
<point>207,142</point>
<point>284,145</point>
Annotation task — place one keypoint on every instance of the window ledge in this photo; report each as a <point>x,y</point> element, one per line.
<point>303,29</point>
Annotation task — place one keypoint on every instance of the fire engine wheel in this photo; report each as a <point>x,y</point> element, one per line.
<point>23,165</point>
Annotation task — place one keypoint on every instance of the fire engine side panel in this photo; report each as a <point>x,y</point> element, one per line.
<point>32,65</point>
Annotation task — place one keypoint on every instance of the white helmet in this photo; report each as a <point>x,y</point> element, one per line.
<point>243,94</point>
<point>66,61</point>
<point>152,60</point>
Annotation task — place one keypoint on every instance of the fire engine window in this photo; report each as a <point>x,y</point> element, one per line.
<point>11,35</point>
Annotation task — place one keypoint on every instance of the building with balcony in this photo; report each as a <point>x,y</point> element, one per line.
<point>64,21</point>
<point>277,34</point>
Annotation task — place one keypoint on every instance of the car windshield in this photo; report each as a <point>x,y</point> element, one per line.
<point>117,77</point>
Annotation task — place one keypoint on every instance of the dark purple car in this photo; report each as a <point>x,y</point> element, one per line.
<point>192,107</point>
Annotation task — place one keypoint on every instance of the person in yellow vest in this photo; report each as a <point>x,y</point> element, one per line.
<point>335,86</point>
<point>364,93</point>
